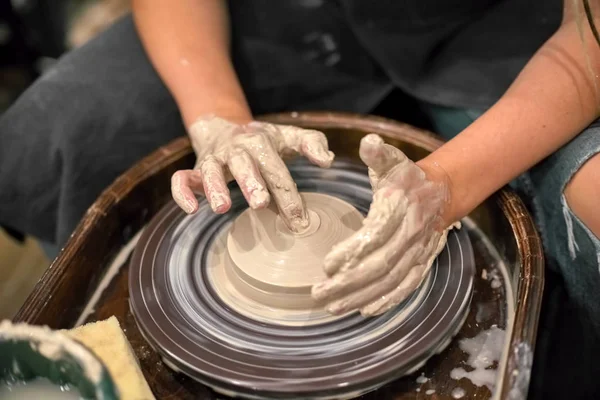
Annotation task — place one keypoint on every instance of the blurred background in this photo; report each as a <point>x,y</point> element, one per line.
<point>33,35</point>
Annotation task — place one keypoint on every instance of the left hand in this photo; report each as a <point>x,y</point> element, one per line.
<point>387,259</point>
<point>252,155</point>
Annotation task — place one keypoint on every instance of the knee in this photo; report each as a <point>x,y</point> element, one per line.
<point>582,194</point>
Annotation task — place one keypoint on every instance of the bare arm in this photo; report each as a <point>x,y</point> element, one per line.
<point>553,99</point>
<point>188,43</point>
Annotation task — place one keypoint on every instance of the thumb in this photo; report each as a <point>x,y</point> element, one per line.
<point>379,156</point>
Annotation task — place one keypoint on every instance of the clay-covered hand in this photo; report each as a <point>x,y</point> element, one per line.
<point>252,155</point>
<point>386,260</point>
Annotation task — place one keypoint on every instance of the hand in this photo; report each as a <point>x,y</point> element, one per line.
<point>404,231</point>
<point>250,154</point>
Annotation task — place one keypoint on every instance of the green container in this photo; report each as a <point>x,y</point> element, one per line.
<point>29,352</point>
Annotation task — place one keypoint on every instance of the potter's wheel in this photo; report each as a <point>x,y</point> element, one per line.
<point>221,323</point>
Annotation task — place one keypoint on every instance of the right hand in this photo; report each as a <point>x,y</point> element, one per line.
<point>380,265</point>
<point>252,155</point>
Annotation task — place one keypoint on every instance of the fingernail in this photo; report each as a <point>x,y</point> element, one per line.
<point>321,153</point>
<point>365,313</point>
<point>188,206</point>
<point>335,308</point>
<point>373,138</point>
<point>330,258</point>
<point>259,198</point>
<point>300,223</point>
<point>217,202</point>
<point>372,310</point>
<point>317,291</point>
<point>327,158</point>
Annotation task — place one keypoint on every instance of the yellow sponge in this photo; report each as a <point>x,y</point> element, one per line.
<point>108,342</point>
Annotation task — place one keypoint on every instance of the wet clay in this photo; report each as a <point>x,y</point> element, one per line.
<point>265,250</point>
<point>263,267</point>
<point>484,352</point>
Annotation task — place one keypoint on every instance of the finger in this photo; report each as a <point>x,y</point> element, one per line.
<point>378,156</point>
<point>407,286</point>
<point>361,287</point>
<point>342,284</point>
<point>404,245</point>
<point>378,288</point>
<point>374,266</point>
<point>183,183</point>
<point>278,180</point>
<point>195,182</point>
<point>413,278</point>
<point>215,186</point>
<point>309,143</point>
<point>315,148</point>
<point>384,217</point>
<point>245,172</point>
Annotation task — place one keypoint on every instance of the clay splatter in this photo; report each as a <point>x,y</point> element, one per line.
<point>422,379</point>
<point>484,351</point>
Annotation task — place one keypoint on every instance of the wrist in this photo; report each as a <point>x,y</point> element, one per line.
<point>237,114</point>
<point>435,172</point>
<point>222,119</point>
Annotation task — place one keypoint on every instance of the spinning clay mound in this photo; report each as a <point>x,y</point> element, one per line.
<point>265,264</point>
<point>226,298</point>
<point>264,248</point>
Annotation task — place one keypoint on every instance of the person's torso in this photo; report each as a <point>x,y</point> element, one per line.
<point>451,52</point>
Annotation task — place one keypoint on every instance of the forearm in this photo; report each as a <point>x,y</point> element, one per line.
<point>188,44</point>
<point>552,101</point>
